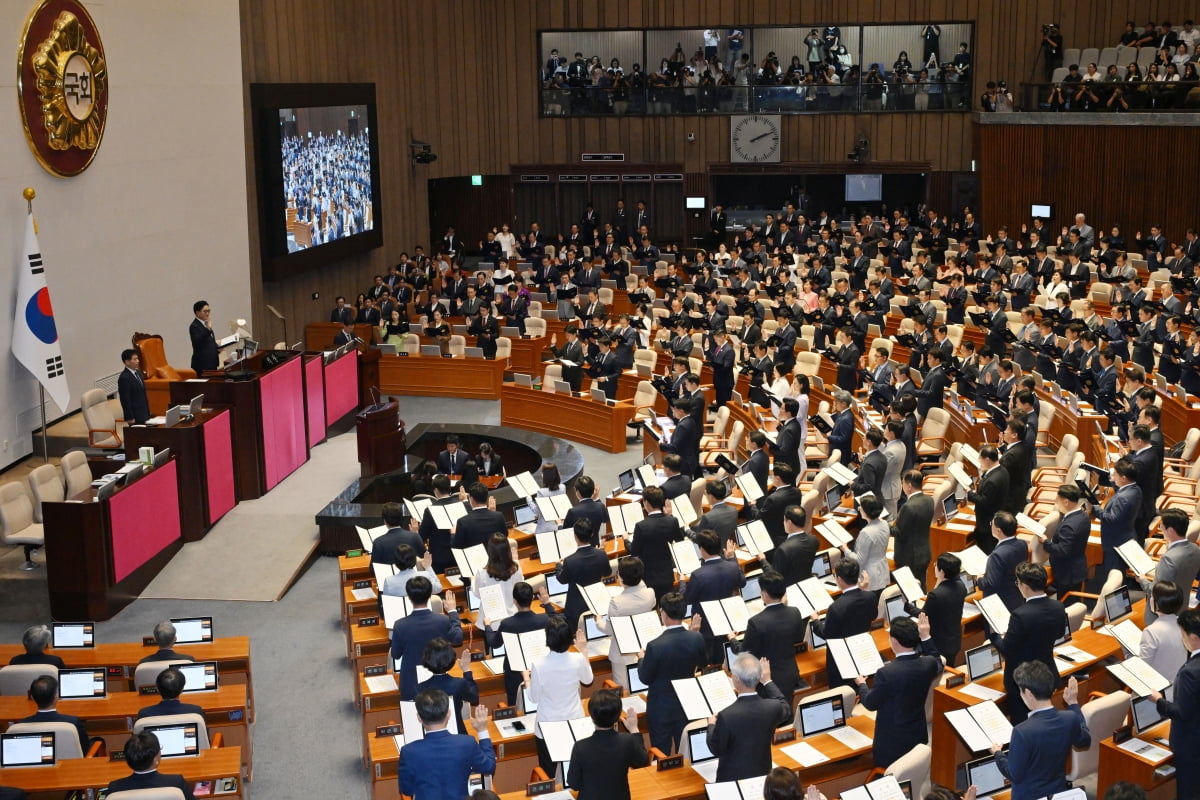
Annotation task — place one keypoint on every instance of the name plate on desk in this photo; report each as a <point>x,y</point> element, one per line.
<point>117,672</point>
<point>784,736</point>
<point>504,713</point>
<point>147,690</point>
<point>362,584</point>
<point>955,680</point>
<point>368,622</point>
<point>388,730</point>
<point>116,755</point>
<point>378,669</point>
<point>670,762</point>
<point>478,656</point>
<point>147,641</point>
<point>1123,734</point>
<point>353,553</point>
<point>540,787</point>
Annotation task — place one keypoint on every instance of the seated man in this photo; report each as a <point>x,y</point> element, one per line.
<point>35,640</point>
<point>164,637</point>
<point>142,754</point>
<point>439,766</point>
<point>170,684</point>
<point>44,692</point>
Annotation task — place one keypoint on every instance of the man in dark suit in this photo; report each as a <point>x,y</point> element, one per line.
<point>1118,517</point>
<point>571,351</point>
<point>1183,709</point>
<point>480,522</point>
<point>998,327</point>
<point>651,542</point>
<point>717,578</point>
<point>1149,479</point>
<point>943,607</point>
<point>523,621</point>
<point>773,632</point>
<point>1068,549</point>
<point>911,528</point>
<point>758,464</point>
<point>142,754</point>
<point>600,763</point>
<point>452,460</point>
<point>342,313</point>
<point>1015,461</point>
<point>439,765</point>
<point>1008,554</point>
<point>603,367</point>
<point>852,613</point>
<point>204,344</point>
<point>932,393</point>
<point>847,355</point>
<point>439,658</point>
<point>345,335</point>
<point>900,689</point>
<point>695,397</point>
<point>872,468</point>
<point>989,495</point>
<point>787,436</point>
<point>131,388</point>
<point>742,733</point>
<point>438,541</point>
<point>1041,745</point>
<point>164,637</point>
<point>588,508</point>
<point>685,440</point>
<point>410,634</point>
<point>587,565</point>
<point>677,653</point>
<point>43,691</point>
<point>793,557</point>
<point>721,518</point>
<point>1033,628</point>
<point>677,484</point>
<point>170,683</point>
<point>383,549</point>
<point>842,435</point>
<point>771,507</point>
<point>720,358</point>
<point>486,329</point>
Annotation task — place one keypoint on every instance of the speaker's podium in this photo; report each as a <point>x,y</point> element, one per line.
<point>265,392</point>
<point>381,439</point>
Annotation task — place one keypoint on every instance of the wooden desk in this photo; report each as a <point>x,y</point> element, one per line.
<point>526,355</point>
<point>100,555</point>
<point>319,336</point>
<point>96,773</point>
<point>1177,417</point>
<point>203,450</point>
<point>477,378</point>
<point>1121,765</point>
<point>580,419</point>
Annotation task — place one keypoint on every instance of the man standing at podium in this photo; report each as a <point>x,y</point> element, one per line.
<point>204,343</point>
<point>135,408</point>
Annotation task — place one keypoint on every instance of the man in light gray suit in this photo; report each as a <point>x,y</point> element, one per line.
<point>911,527</point>
<point>721,518</point>
<point>635,597</point>
<point>1179,563</point>
<point>894,451</point>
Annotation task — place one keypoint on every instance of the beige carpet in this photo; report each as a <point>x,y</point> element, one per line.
<point>259,548</point>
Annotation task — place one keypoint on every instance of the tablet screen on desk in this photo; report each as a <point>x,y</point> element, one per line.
<point>73,634</point>
<point>523,515</point>
<point>177,740</point>
<point>27,750</point>
<point>1117,605</point>
<point>82,684</point>
<point>985,776</point>
<point>983,661</point>
<point>527,704</point>
<point>193,629</point>
<point>894,607</point>
<point>592,629</point>
<point>698,743</point>
<point>199,677</point>
<point>1145,714</point>
<point>636,684</point>
<point>821,715</point>
<point>751,590</point>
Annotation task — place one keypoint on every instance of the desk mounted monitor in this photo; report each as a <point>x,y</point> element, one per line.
<point>196,405</point>
<point>598,395</point>
<point>173,415</point>
<point>819,716</point>
<point>249,348</point>
<point>562,387</point>
<point>511,332</point>
<point>967,581</point>
<point>644,370</point>
<point>983,661</point>
<point>473,352</point>
<point>472,601</point>
<point>549,313</point>
<point>592,630</point>
<point>107,490</point>
<point>893,608</point>
<point>698,744</point>
<point>522,379</point>
<point>431,350</point>
<point>523,515</point>
<point>950,507</point>
<point>1145,714</point>
<point>751,590</point>
<point>626,481</point>
<point>161,457</point>
<point>1117,605</point>
<point>199,677</point>
<point>177,740</point>
<point>636,684</point>
<point>132,475</point>
<point>82,684</point>
<point>388,349</point>
<point>415,327</point>
<point>73,634</point>
<point>527,704</point>
<point>27,750</point>
<point>189,630</point>
<point>821,567</point>
<point>555,588</point>
<point>985,776</point>
<point>815,641</point>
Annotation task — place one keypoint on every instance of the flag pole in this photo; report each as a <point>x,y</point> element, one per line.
<point>29,194</point>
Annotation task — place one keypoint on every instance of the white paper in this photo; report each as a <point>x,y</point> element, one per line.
<point>382,572</point>
<point>804,754</point>
<point>852,738</point>
<point>995,612</point>
<point>470,560</point>
<point>834,533</point>
<point>1140,747</point>
<point>751,491</point>
<point>683,510</point>
<point>633,633</point>
<point>980,691</point>
<point>410,721</point>
<point>395,608</point>
<point>416,508</point>
<point>756,538</point>
<point>909,586</point>
<point>523,484</point>
<point>554,507</point>
<point>959,474</point>
<point>382,683</point>
<point>1127,633</point>
<point>727,615</point>
<point>455,511</point>
<point>1132,554</point>
<point>809,596</point>
<point>1031,525</point>
<point>686,559</point>
<point>1139,676</point>
<point>524,648</point>
<point>491,603</point>
<point>981,725</point>
<point>440,517</point>
<point>597,597</point>
<point>554,546</point>
<point>507,731</point>
<point>560,736</point>
<point>366,593</point>
<point>974,560</point>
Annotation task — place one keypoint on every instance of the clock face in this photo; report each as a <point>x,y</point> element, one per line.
<point>754,138</point>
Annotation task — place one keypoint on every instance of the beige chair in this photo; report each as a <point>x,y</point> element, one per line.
<point>1191,443</point>
<point>535,327</point>
<point>716,436</point>
<point>458,345</point>
<point>605,295</point>
<point>933,442</point>
<point>164,793</point>
<point>807,364</point>
<point>1075,615</point>
<point>913,766</point>
<point>696,494</point>
<point>46,486</point>
<point>728,448</point>
<point>15,679</point>
<point>695,364</point>
<point>104,429</point>
<point>553,373</point>
<point>412,344</point>
<point>145,675</point>
<point>1103,715</point>
<point>644,356</point>
<point>503,347</point>
<point>66,736</point>
<point>1112,582</point>
<point>16,522</point>
<point>182,719</point>
<point>944,490</point>
<point>643,406</point>
<point>77,475</point>
<point>1060,458</point>
<point>811,502</point>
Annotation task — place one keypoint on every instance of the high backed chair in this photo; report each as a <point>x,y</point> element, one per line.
<point>1112,582</point>
<point>77,476</point>
<point>164,793</point>
<point>913,766</point>
<point>645,356</point>
<point>458,345</point>
<point>716,434</point>
<point>157,371</point>
<point>696,493</point>
<point>933,441</point>
<point>728,448</point>
<point>183,719</point>
<point>535,327</point>
<point>1066,451</point>
<point>605,295</point>
<point>15,679</point>
<point>412,344</point>
<point>66,736</point>
<point>17,525</point>
<point>944,490</point>
<point>553,373</point>
<point>1103,714</point>
<point>46,486</point>
<point>104,429</point>
<point>1191,443</point>
<point>807,363</point>
<point>643,406</point>
<point>503,347</point>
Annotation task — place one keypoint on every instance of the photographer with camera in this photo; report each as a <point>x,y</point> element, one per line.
<point>1052,48</point>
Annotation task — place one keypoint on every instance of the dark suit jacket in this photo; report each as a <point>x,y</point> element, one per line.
<point>1038,750</point>
<point>989,497</point>
<point>410,635</point>
<point>717,578</point>
<point>1068,551</point>
<point>676,654</point>
<point>135,408</point>
<point>944,607</point>
<point>438,766</point>
<point>870,474</point>
<point>932,393</point>
<point>651,543</point>
<point>912,534</point>
<point>165,708</point>
<point>685,442</point>
<point>438,541</point>
<point>165,654</point>
<point>852,613</point>
<point>1000,577</point>
<point>585,566</point>
<point>495,466</point>
<point>600,764</point>
<point>676,486</point>
<point>772,634</point>
<point>793,557</point>
<point>1015,461</point>
<point>205,355</point>
<point>383,550</point>
<point>520,622</point>
<point>898,698</point>
<point>1119,516</point>
<point>1183,709</point>
<point>771,509</point>
<point>448,467</point>
<point>842,435</point>
<point>460,690</point>
<point>1033,629</point>
<point>152,780</point>
<point>787,449</point>
<point>589,509</point>
<point>478,526</point>
<point>721,519</point>
<point>1150,481</point>
<point>742,735</point>
<point>54,716</point>
<point>759,465</point>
